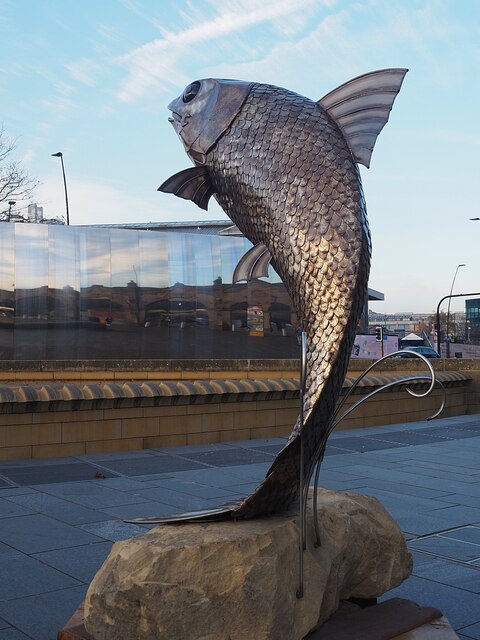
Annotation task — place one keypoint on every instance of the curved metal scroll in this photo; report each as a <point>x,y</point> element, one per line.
<point>318,459</point>
<point>374,365</point>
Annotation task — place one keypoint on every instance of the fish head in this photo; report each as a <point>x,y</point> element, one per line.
<point>204,112</point>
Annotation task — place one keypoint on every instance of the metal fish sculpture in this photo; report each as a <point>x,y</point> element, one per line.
<point>284,169</point>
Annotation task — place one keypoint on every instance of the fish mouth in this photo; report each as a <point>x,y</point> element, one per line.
<point>177,121</point>
<point>175,117</point>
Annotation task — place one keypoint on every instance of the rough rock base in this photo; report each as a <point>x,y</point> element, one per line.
<point>239,580</point>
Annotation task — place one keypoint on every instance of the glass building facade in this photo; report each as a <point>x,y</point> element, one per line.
<point>105,293</point>
<point>472,317</point>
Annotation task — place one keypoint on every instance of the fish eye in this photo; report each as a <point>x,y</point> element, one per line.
<point>191,91</point>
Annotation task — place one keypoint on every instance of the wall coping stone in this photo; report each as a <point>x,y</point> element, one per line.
<point>15,398</point>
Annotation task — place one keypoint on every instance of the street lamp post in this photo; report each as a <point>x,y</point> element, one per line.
<point>447,337</point>
<point>10,205</point>
<point>59,154</point>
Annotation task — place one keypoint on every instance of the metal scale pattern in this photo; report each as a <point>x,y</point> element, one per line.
<point>285,175</point>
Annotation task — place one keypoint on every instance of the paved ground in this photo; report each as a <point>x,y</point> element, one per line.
<point>57,521</point>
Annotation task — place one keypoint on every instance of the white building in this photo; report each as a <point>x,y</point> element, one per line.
<point>35,213</point>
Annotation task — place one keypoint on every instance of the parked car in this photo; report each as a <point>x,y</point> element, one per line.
<point>427,352</point>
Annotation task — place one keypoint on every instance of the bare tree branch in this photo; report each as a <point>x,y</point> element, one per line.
<point>15,182</point>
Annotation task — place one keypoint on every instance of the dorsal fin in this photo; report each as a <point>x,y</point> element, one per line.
<point>191,184</point>
<point>361,108</point>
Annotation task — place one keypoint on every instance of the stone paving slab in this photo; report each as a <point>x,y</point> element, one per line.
<point>114,530</point>
<point>412,437</point>
<point>24,576</point>
<point>35,533</point>
<point>180,501</point>
<point>461,607</point>
<point>189,488</point>
<point>272,449</point>
<point>367,443</point>
<point>139,510</point>
<point>231,457</point>
<point>96,496</point>
<point>31,475</point>
<point>152,464</point>
<point>472,631</point>
<point>80,563</point>
<point>448,548</point>
<point>425,524</point>
<point>13,634</point>
<point>9,509</point>
<point>454,574</point>
<point>56,531</point>
<point>407,489</point>
<point>40,617</point>
<point>467,534</point>
<point>15,491</point>
<point>57,508</point>
<point>335,451</point>
<point>470,476</point>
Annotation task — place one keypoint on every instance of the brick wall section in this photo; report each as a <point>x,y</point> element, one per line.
<point>78,432</point>
<point>76,418</point>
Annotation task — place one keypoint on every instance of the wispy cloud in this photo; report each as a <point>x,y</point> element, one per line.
<point>108,32</point>
<point>105,110</point>
<point>28,156</point>
<point>328,44</point>
<point>84,71</point>
<point>348,42</point>
<point>158,61</point>
<point>59,105</point>
<point>63,87</point>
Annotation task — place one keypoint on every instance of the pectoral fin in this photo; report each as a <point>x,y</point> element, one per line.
<point>191,184</point>
<point>361,108</point>
<point>253,264</point>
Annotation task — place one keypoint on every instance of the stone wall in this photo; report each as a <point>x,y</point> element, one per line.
<point>76,410</point>
<point>473,393</point>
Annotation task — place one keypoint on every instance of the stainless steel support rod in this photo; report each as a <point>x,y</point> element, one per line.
<point>301,537</point>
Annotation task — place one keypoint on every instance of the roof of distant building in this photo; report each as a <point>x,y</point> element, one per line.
<point>205,227</point>
<point>375,295</point>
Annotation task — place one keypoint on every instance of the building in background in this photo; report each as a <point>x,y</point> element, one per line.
<point>399,323</point>
<point>472,320</point>
<point>34,215</point>
<point>110,292</point>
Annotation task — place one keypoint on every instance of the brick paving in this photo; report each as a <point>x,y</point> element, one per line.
<point>59,517</point>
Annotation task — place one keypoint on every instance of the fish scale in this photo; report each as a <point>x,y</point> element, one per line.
<point>283,168</point>
<point>298,261</point>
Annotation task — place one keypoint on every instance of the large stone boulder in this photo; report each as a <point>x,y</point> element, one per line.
<point>239,580</point>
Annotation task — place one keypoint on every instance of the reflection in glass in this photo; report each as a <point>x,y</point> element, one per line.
<point>63,291</point>
<point>102,293</point>
<point>7,295</point>
<point>31,291</point>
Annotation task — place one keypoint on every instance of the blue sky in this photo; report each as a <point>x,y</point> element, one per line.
<point>93,78</point>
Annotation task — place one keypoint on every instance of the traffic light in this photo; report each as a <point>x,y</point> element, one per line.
<point>379,334</point>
